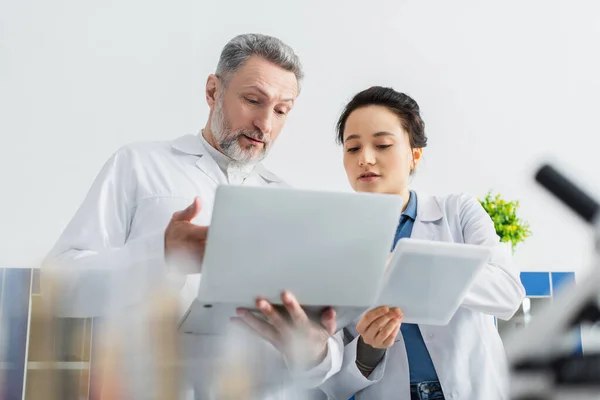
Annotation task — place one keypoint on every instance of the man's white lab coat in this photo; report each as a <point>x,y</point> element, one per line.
<point>112,250</point>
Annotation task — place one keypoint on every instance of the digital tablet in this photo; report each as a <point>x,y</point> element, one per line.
<point>328,248</point>
<point>428,280</point>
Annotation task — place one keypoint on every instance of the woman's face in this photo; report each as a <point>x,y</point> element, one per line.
<point>377,153</point>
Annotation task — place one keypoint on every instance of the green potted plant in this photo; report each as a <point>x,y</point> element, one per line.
<point>510,228</point>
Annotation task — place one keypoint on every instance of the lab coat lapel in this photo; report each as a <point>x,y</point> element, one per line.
<point>265,176</point>
<point>209,166</point>
<point>192,145</point>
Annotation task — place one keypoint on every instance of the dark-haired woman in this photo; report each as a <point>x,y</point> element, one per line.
<point>383,137</point>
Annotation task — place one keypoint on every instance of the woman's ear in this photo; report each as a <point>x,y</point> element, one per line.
<point>417,154</point>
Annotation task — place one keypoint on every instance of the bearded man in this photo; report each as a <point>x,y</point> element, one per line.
<point>144,221</point>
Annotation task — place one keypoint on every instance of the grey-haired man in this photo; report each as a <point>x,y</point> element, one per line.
<point>151,203</point>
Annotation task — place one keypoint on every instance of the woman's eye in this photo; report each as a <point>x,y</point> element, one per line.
<point>352,149</point>
<point>251,101</point>
<point>384,146</point>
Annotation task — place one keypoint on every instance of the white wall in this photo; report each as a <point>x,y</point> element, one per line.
<point>502,86</point>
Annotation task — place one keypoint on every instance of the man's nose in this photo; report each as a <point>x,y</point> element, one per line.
<point>264,121</point>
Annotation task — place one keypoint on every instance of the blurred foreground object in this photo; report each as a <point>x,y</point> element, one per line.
<point>132,352</point>
<point>139,352</point>
<point>541,357</point>
<point>51,381</point>
<point>137,355</point>
<point>250,368</point>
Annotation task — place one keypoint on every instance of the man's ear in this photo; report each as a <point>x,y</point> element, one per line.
<point>212,90</point>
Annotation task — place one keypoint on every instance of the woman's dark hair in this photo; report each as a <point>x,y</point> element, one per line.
<point>400,104</point>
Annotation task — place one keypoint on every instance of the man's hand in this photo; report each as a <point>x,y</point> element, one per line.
<point>185,242</point>
<point>379,326</point>
<point>302,341</point>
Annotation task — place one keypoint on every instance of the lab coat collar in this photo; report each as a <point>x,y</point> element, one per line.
<point>190,144</point>
<point>428,211</point>
<point>428,208</point>
<point>266,174</point>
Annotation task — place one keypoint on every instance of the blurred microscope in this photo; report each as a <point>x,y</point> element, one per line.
<point>543,365</point>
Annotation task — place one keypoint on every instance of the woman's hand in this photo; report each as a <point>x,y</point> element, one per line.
<point>379,326</point>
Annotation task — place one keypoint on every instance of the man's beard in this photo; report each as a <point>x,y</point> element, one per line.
<point>228,140</point>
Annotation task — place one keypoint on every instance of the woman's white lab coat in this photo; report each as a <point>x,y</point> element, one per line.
<point>468,354</point>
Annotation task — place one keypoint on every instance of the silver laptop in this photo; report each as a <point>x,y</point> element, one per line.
<point>328,248</point>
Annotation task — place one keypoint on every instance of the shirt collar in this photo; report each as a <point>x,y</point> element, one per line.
<point>191,144</point>
<point>411,208</point>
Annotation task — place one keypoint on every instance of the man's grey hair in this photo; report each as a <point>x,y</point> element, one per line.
<point>239,49</point>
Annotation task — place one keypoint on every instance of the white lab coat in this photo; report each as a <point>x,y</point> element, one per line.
<point>117,235</point>
<point>113,248</point>
<point>468,354</point>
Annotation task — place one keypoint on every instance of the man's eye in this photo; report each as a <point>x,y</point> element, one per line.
<point>352,149</point>
<point>251,101</point>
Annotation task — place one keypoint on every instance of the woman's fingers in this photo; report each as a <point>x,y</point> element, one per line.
<point>391,339</point>
<point>369,317</point>
<point>387,330</point>
<point>383,328</point>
